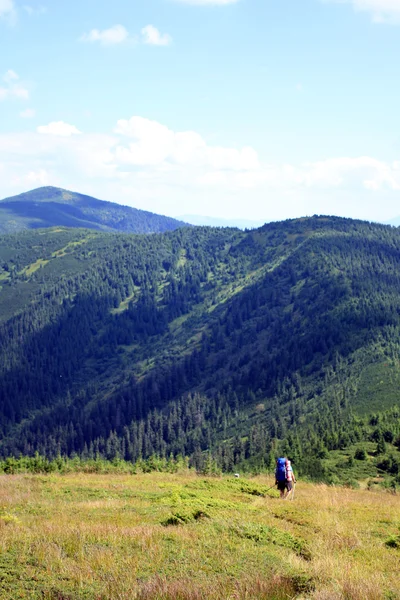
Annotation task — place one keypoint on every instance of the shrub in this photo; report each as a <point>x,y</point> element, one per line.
<point>388,436</point>
<point>360,454</point>
<point>352,483</point>
<point>393,542</point>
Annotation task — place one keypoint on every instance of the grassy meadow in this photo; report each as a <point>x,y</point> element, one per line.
<point>184,536</point>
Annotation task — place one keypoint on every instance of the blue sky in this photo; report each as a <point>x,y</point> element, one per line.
<point>258,109</point>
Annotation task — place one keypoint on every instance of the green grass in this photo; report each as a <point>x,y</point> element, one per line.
<point>124,305</point>
<point>71,247</point>
<point>159,535</point>
<point>32,268</point>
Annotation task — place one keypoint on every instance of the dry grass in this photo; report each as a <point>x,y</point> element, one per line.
<point>164,536</point>
<point>274,588</point>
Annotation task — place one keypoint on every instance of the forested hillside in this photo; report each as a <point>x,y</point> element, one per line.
<point>55,207</point>
<point>243,344</point>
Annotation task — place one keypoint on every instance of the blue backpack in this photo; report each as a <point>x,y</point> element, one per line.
<point>280,472</point>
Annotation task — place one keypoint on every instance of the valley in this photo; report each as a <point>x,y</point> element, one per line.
<point>205,342</point>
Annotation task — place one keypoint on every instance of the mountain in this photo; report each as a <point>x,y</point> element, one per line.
<point>243,344</point>
<point>216,222</point>
<point>55,207</point>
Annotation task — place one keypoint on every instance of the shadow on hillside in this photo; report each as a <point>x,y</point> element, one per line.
<point>65,388</point>
<point>51,214</point>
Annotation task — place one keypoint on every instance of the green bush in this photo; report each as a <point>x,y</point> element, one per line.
<point>360,454</point>
<point>352,483</point>
<point>393,542</point>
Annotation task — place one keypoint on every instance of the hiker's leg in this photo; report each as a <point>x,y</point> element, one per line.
<point>289,488</point>
<point>281,488</point>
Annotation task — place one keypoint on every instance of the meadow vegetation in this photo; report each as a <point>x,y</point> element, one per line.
<point>120,536</point>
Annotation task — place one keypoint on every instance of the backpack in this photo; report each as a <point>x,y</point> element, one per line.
<point>280,472</point>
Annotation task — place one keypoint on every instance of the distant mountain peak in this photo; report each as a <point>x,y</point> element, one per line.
<point>51,206</point>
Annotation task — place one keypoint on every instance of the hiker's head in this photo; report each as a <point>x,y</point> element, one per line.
<point>287,462</point>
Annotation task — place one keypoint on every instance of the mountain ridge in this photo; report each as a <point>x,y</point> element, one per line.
<point>201,339</point>
<point>51,207</point>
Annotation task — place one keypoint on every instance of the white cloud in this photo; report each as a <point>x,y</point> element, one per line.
<point>32,10</point>
<point>58,128</point>
<point>152,36</point>
<point>118,34</point>
<point>108,37</point>
<point>150,166</point>
<point>18,91</point>
<point>28,113</point>
<point>381,10</point>
<point>153,141</point>
<point>33,178</point>
<point>346,173</point>
<point>10,76</point>
<point>61,159</point>
<point>364,171</point>
<point>8,10</point>
<point>13,87</point>
<point>40,177</point>
<point>155,144</point>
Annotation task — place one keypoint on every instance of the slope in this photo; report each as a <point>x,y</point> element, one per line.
<point>238,342</point>
<point>51,206</point>
<point>84,535</point>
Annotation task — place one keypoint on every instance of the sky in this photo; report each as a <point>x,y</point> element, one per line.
<point>240,109</point>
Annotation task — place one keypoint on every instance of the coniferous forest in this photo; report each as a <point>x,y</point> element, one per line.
<point>223,346</point>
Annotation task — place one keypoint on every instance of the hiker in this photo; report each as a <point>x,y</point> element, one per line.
<point>280,476</point>
<point>290,479</point>
<point>284,477</point>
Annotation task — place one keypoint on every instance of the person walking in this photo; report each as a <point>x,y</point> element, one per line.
<point>284,478</point>
<point>280,476</point>
<point>290,480</point>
